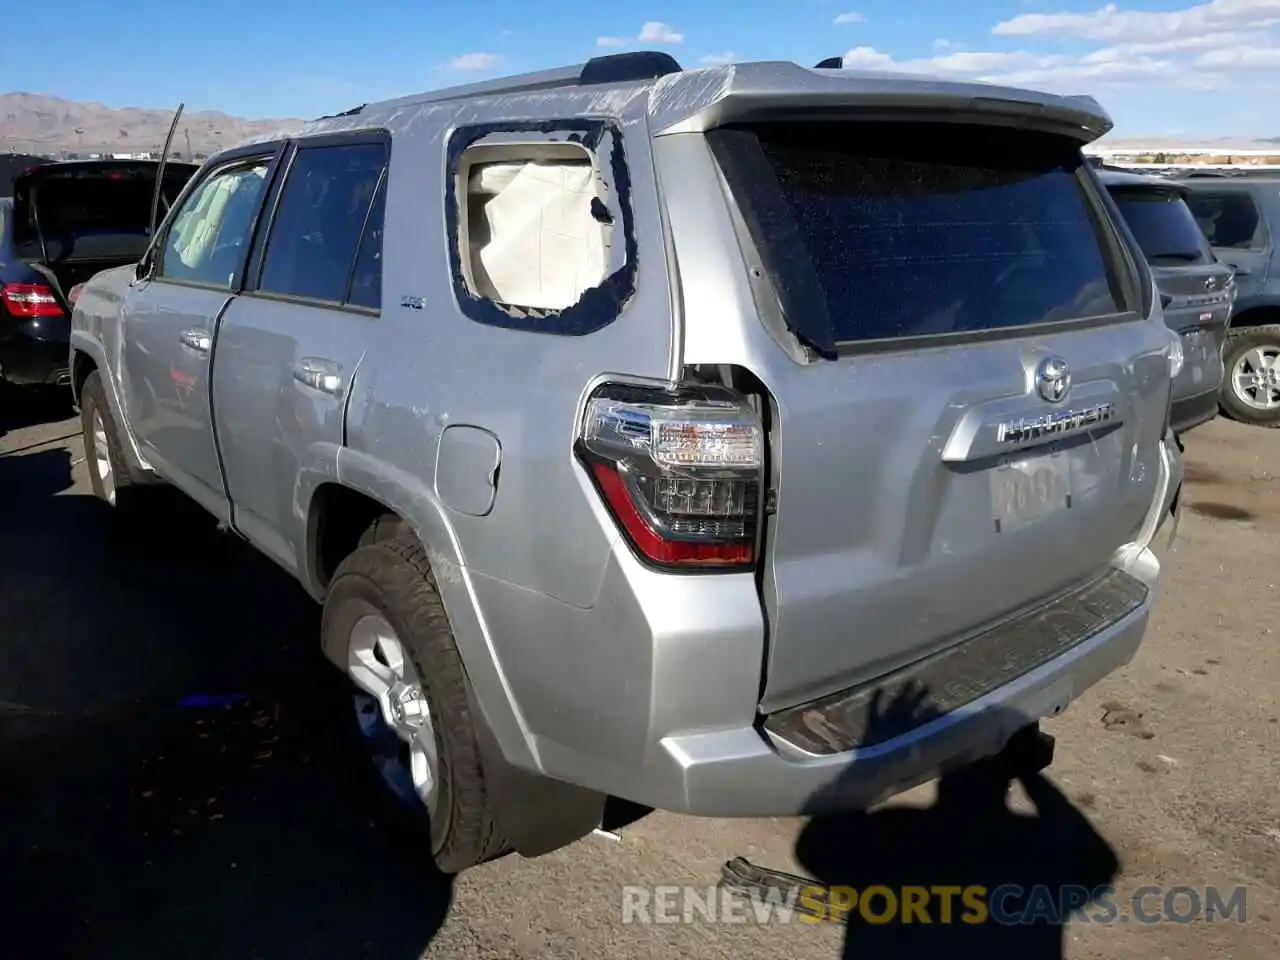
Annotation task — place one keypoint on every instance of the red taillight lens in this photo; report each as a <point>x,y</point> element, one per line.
<point>680,472</point>
<point>74,294</point>
<point>30,300</point>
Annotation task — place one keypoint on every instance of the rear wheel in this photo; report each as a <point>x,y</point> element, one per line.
<point>412,718</point>
<point>1251,364</point>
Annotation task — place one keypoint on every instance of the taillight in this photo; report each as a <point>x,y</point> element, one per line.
<point>681,472</point>
<point>30,300</point>
<point>74,293</point>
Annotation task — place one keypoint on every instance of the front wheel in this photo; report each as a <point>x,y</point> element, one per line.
<point>109,475</point>
<point>1251,381</point>
<point>412,718</point>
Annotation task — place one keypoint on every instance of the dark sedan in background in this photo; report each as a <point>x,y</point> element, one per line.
<point>63,223</point>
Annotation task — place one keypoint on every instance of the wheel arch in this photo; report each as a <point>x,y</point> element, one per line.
<point>1256,315</point>
<point>538,814</point>
<point>373,484</point>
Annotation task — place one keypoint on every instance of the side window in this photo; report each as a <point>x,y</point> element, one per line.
<point>210,234</point>
<point>366,278</point>
<point>541,239</point>
<point>1229,219</point>
<point>320,219</point>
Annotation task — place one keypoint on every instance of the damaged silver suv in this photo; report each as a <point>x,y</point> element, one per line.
<point>752,440</point>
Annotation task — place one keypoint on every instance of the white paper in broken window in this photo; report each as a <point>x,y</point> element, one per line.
<point>545,249</point>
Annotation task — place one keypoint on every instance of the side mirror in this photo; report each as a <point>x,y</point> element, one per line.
<point>142,269</point>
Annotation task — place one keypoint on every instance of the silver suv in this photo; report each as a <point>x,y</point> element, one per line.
<point>648,432</point>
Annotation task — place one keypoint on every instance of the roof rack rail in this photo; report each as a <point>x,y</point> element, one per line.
<point>353,112</point>
<point>831,63</point>
<point>628,67</point>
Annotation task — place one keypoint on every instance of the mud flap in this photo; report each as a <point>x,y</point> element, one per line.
<point>537,815</point>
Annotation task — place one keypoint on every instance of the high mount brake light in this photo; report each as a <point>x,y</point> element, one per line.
<point>680,472</point>
<point>30,300</point>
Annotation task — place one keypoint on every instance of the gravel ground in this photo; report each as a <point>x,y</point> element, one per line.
<point>134,824</point>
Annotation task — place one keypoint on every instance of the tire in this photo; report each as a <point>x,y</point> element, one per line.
<point>1233,399</point>
<point>392,578</point>
<point>122,491</point>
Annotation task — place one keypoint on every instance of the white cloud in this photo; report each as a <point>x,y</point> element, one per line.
<point>657,32</point>
<point>719,59</point>
<point>853,16</point>
<point>611,41</point>
<point>1242,58</point>
<point>1111,23</point>
<point>1123,56</point>
<point>473,62</point>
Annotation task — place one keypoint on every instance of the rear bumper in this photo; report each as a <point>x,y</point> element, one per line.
<point>34,351</point>
<point>750,770</point>
<point>1189,412</point>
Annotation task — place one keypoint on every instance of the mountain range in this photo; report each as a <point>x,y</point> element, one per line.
<point>49,126</point>
<point>36,124</point>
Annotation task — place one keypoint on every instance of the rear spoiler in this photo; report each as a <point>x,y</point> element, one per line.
<point>698,101</point>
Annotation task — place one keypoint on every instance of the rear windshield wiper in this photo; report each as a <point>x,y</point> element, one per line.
<point>1186,256</point>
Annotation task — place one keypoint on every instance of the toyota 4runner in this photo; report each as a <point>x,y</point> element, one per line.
<point>660,433</point>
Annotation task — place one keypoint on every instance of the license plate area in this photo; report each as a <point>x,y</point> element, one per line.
<point>1028,489</point>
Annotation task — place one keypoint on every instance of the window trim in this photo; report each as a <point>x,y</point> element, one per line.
<point>1126,272</point>
<point>252,275</point>
<point>1259,207</point>
<point>238,157</point>
<point>600,305</point>
<point>379,192</point>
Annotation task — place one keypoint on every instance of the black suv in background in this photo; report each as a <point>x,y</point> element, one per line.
<point>1196,288</point>
<point>1240,216</point>
<point>64,223</point>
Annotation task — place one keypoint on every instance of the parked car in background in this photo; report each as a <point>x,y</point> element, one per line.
<point>1240,216</point>
<point>700,438</point>
<point>64,223</point>
<point>1196,288</point>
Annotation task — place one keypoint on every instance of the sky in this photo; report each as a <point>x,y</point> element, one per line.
<point>1160,67</point>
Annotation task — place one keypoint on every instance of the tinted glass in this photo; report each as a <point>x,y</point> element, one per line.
<point>1227,219</point>
<point>211,231</point>
<point>1163,226</point>
<point>319,221</point>
<point>366,280</point>
<point>920,229</point>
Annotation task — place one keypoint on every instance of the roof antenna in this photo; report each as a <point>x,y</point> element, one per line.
<point>164,158</point>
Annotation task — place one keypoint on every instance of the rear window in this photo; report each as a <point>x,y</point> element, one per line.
<point>86,215</point>
<point>324,214</point>
<point>1230,220</point>
<point>1163,226</point>
<point>891,230</point>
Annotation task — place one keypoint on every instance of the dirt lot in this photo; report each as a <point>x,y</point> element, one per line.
<point>135,825</point>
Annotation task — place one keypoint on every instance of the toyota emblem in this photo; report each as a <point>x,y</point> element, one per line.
<point>1053,379</point>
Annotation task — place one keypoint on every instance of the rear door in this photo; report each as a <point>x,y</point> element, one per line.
<point>977,426</point>
<point>289,346</point>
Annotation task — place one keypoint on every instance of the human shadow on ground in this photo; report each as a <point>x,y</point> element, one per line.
<point>173,776</point>
<point>1032,871</point>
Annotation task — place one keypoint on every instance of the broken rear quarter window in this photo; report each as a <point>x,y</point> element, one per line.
<point>540,226</point>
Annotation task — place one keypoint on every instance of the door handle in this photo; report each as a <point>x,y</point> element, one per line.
<point>319,374</point>
<point>197,339</point>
